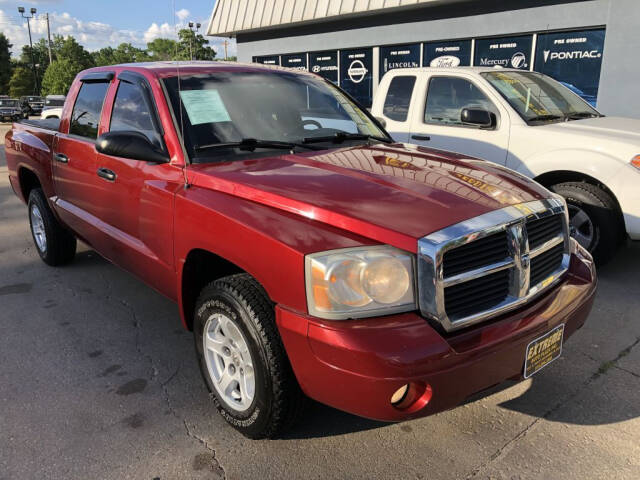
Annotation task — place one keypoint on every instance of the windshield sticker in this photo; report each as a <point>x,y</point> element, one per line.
<point>204,106</point>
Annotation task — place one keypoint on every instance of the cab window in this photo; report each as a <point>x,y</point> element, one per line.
<point>132,111</point>
<point>396,105</point>
<point>85,118</point>
<point>448,96</point>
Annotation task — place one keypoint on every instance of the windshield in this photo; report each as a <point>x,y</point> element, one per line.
<point>34,99</point>
<point>8,103</point>
<point>54,102</point>
<point>538,98</point>
<point>228,107</point>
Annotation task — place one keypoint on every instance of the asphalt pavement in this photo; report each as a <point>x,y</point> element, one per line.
<point>98,380</point>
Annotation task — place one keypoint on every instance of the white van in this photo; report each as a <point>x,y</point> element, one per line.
<point>534,125</point>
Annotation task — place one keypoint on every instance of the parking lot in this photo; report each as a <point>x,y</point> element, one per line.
<point>99,380</point>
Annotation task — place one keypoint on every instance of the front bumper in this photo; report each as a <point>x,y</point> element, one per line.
<point>625,187</point>
<point>357,365</point>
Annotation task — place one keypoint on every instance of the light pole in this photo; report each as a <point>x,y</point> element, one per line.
<point>195,32</point>
<point>33,62</point>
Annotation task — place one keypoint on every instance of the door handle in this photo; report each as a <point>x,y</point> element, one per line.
<point>107,174</point>
<point>61,157</point>
<point>424,138</point>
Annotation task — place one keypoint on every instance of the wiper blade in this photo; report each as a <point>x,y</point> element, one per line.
<point>340,137</point>
<point>577,115</point>
<point>250,144</point>
<point>542,118</point>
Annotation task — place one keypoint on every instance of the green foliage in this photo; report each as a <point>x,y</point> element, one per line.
<point>125,53</point>
<point>194,44</point>
<point>59,76</point>
<point>162,49</point>
<point>21,82</point>
<point>71,50</point>
<point>5,64</point>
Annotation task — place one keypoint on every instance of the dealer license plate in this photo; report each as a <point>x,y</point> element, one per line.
<point>543,350</point>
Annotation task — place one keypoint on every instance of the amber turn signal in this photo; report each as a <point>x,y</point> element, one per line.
<point>635,161</point>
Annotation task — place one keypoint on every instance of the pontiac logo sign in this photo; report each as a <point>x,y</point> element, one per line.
<point>357,71</point>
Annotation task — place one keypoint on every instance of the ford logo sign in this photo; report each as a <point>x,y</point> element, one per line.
<point>519,60</point>
<point>445,61</point>
<point>357,71</point>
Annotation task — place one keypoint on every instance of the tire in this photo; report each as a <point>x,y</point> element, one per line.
<point>593,217</point>
<point>55,244</point>
<point>234,310</point>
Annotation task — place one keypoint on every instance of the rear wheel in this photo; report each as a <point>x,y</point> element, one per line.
<point>54,243</point>
<point>593,218</point>
<point>242,358</point>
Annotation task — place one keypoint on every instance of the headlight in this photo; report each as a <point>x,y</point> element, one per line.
<point>360,282</point>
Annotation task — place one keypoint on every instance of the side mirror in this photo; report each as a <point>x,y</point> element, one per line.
<point>382,122</point>
<point>130,144</point>
<point>478,117</point>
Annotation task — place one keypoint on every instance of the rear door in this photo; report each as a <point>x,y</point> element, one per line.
<point>396,106</point>
<point>133,198</point>
<point>74,157</point>
<point>436,120</point>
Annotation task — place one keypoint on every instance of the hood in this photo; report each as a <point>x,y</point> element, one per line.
<point>392,194</point>
<point>616,129</point>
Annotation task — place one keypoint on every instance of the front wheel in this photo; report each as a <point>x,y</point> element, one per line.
<point>593,218</point>
<point>242,358</point>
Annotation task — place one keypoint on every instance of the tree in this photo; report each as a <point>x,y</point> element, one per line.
<point>5,64</point>
<point>162,49</point>
<point>59,76</point>
<point>22,82</point>
<point>194,44</point>
<point>71,50</point>
<point>125,53</point>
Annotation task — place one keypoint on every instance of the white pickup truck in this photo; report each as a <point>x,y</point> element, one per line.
<point>531,124</point>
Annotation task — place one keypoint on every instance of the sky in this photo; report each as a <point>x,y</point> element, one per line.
<point>100,23</point>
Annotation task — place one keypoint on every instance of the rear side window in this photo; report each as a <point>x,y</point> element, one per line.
<point>396,105</point>
<point>131,111</point>
<point>85,117</point>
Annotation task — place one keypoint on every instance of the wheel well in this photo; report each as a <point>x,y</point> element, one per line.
<point>201,267</point>
<point>551,178</point>
<point>28,181</point>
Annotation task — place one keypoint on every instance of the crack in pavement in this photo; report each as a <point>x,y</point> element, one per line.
<point>506,448</point>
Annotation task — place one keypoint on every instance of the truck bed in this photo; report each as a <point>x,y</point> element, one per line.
<point>46,124</point>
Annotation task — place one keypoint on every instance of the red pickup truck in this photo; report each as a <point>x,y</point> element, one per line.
<point>308,253</point>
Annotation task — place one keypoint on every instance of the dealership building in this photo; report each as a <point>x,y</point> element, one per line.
<point>592,46</point>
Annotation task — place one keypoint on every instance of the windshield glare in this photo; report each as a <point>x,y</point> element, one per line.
<point>8,103</point>
<point>277,106</point>
<point>534,95</point>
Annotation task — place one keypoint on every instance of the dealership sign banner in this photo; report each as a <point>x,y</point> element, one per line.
<point>356,74</point>
<point>268,60</point>
<point>572,58</point>
<point>325,64</point>
<point>297,61</point>
<point>399,56</point>
<point>507,52</point>
<point>447,54</point>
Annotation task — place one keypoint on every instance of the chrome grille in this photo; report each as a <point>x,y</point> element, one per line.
<point>490,264</point>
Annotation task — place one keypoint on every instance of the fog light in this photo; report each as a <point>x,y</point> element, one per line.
<point>399,395</point>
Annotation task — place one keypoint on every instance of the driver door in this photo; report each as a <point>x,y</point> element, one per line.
<point>436,123</point>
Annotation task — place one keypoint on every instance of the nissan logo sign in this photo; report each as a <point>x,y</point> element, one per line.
<point>518,60</point>
<point>357,71</point>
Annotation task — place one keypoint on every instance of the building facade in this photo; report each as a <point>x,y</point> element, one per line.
<point>591,45</point>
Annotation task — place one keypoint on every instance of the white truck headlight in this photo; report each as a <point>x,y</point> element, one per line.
<point>360,282</point>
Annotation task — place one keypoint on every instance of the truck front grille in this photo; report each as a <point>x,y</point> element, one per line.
<point>485,266</point>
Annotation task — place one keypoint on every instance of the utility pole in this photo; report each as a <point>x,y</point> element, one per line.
<point>49,38</point>
<point>226,42</point>
<point>195,33</point>
<point>33,61</point>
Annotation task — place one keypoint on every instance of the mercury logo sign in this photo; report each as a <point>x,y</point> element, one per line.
<point>445,61</point>
<point>357,71</point>
<point>575,54</point>
<point>518,60</point>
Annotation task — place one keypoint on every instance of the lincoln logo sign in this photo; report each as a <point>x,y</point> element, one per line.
<point>445,61</point>
<point>357,71</point>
